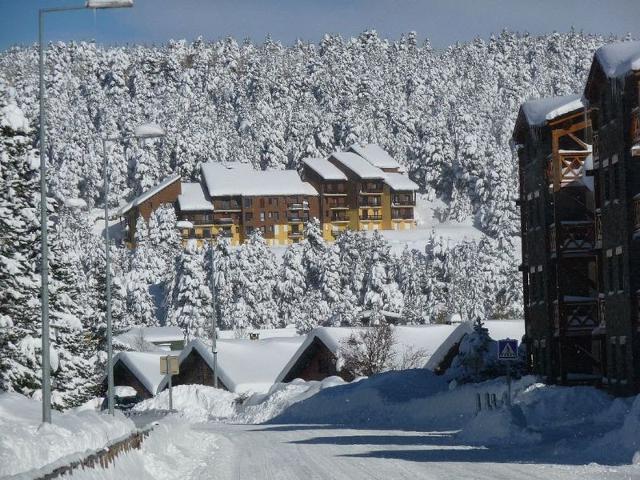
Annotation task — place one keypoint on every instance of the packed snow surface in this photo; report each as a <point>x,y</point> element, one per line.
<point>27,444</point>
<point>324,168</point>
<point>228,180</point>
<point>541,110</point>
<point>618,59</point>
<point>375,155</point>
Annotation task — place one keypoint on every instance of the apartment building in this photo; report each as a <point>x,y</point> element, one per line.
<point>580,222</point>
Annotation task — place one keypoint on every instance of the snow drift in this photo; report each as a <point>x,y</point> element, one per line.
<point>26,444</point>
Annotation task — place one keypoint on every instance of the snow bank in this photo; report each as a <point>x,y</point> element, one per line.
<point>260,408</point>
<point>174,449</point>
<point>416,399</point>
<point>625,439</point>
<point>504,426</point>
<point>196,403</point>
<point>26,444</point>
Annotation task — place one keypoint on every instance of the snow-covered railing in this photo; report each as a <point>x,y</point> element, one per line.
<point>100,458</point>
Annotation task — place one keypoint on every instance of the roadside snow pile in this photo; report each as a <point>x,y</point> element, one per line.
<point>626,438</point>
<point>26,444</point>
<point>260,408</point>
<point>197,403</point>
<point>504,426</point>
<point>175,449</point>
<point>400,399</point>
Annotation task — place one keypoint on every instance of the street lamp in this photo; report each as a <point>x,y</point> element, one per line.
<point>44,269</point>
<point>142,132</point>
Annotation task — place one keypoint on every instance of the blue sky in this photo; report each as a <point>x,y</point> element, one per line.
<point>442,21</point>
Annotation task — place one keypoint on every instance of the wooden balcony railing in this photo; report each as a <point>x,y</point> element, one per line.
<point>598,224</point>
<point>298,206</point>
<point>572,237</point>
<point>635,126</point>
<point>371,188</point>
<point>404,200</point>
<point>370,202</point>
<point>636,212</point>
<point>297,218</point>
<point>339,218</point>
<point>403,214</point>
<point>371,217</point>
<point>576,315</point>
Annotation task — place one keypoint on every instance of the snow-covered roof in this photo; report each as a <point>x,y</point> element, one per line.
<point>247,365</point>
<point>145,366</point>
<point>540,111</point>
<point>434,340</point>
<point>194,198</point>
<point>231,180</point>
<point>618,59</point>
<point>148,194</point>
<point>399,181</point>
<point>149,335</point>
<point>324,168</point>
<point>500,329</point>
<point>263,333</point>
<point>375,155</point>
<point>358,165</point>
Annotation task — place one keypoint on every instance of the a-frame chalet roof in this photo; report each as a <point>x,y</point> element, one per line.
<point>612,61</point>
<point>148,194</point>
<point>538,112</point>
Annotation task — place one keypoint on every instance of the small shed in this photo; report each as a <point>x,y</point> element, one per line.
<point>139,370</point>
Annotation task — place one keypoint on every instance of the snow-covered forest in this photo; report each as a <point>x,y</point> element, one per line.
<point>445,115</point>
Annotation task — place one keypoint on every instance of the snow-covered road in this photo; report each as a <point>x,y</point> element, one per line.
<point>306,452</point>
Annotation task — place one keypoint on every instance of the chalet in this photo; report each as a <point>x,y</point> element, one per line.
<point>151,339</point>
<point>319,356</point>
<point>613,94</point>
<point>139,370</point>
<point>166,192</point>
<point>243,365</point>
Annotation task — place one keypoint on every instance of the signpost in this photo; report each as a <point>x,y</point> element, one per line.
<point>169,366</point>
<point>508,352</point>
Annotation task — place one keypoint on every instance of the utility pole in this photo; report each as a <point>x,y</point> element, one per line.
<point>214,316</point>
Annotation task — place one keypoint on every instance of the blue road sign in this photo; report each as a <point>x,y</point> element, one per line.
<point>507,349</point>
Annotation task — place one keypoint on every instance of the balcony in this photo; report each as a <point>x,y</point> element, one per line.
<point>297,218</point>
<point>223,221</point>
<point>635,132</point>
<point>370,218</point>
<point>227,206</point>
<point>575,315</point>
<point>337,203</point>
<point>636,212</point>
<point>371,188</point>
<point>370,202</point>
<point>334,190</point>
<point>572,238</point>
<point>339,218</point>
<point>401,216</point>
<point>598,229</point>
<point>403,201</point>
<point>298,206</point>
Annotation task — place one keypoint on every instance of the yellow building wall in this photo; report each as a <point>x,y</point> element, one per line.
<point>386,208</point>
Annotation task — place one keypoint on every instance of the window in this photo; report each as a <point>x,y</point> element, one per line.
<point>248,216</point>
<point>270,214</point>
<point>262,203</point>
<point>276,215</point>
<point>262,214</point>
<point>248,202</point>
<point>270,228</point>
<point>206,233</point>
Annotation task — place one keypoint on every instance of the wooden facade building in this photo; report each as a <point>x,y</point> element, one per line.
<point>579,184</point>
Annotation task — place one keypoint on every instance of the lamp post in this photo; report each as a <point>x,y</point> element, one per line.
<point>145,131</point>
<point>214,317</point>
<point>44,268</point>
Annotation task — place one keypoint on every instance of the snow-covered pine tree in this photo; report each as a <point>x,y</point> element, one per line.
<point>19,284</point>
<point>191,294</point>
